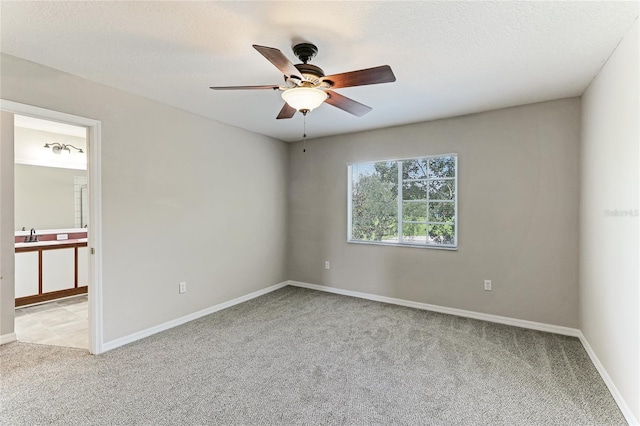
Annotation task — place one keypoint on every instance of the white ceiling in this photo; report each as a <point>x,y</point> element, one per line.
<point>450,58</point>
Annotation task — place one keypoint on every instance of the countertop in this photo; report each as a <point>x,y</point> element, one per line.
<point>51,243</point>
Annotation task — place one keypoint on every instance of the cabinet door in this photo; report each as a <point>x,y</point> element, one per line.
<point>26,273</point>
<point>58,269</point>
<point>83,266</point>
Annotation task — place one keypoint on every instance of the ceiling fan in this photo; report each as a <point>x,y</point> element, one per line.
<point>306,87</point>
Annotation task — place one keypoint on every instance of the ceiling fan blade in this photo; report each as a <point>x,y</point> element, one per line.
<point>347,104</point>
<point>278,59</point>
<point>244,87</point>
<point>286,112</point>
<point>381,74</point>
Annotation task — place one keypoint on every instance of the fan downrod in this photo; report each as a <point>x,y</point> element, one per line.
<point>305,51</point>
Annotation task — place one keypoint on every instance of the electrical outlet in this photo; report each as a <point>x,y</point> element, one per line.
<point>487,285</point>
<point>327,265</point>
<point>183,287</point>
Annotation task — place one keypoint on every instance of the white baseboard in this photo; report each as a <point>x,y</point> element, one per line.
<point>626,411</point>
<point>178,321</point>
<point>8,338</point>
<point>549,328</point>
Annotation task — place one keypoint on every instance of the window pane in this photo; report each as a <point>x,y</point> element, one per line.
<point>441,234</point>
<point>442,167</point>
<point>442,189</point>
<point>374,201</point>
<point>416,212</point>
<point>414,233</point>
<point>385,171</point>
<point>414,190</point>
<point>441,212</point>
<point>414,169</point>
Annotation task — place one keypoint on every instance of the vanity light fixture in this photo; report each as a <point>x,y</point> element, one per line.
<point>58,148</point>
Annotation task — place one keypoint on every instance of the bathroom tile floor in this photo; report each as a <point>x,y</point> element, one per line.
<point>59,323</point>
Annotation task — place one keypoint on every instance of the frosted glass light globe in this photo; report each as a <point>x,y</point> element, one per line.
<point>304,98</point>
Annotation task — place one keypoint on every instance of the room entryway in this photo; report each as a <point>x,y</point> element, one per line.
<point>56,229</point>
<point>51,221</point>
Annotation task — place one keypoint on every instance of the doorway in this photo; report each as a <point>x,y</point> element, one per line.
<point>88,197</point>
<point>51,225</point>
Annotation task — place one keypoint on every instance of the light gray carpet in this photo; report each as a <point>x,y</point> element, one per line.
<point>298,356</point>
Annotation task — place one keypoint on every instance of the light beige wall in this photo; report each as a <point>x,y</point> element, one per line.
<point>184,198</point>
<point>7,283</point>
<point>29,149</point>
<point>518,214</point>
<point>44,197</point>
<point>609,285</point>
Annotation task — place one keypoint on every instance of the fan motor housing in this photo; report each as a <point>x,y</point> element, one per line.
<point>310,69</point>
<point>311,73</point>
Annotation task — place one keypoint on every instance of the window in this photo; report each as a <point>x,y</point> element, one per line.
<point>406,202</point>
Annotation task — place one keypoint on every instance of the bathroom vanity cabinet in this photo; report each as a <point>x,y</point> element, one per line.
<point>49,270</point>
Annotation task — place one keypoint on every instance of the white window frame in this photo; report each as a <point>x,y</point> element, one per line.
<point>400,242</point>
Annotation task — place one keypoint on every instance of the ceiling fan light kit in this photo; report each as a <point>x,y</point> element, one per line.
<point>304,99</point>
<point>306,87</point>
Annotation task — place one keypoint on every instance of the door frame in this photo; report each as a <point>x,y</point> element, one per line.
<point>94,172</point>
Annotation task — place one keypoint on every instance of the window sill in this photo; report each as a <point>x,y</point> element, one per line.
<point>421,246</point>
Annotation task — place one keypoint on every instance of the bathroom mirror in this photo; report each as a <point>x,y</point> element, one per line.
<point>50,198</point>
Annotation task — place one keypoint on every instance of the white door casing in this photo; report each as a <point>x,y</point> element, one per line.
<point>95,196</point>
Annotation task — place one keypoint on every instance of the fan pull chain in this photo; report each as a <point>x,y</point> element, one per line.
<point>304,132</point>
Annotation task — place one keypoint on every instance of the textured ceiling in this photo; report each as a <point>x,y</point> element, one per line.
<point>450,58</point>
